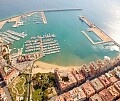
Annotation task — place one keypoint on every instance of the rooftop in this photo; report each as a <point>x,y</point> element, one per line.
<point>67,96</point>
<point>59,98</point>
<point>78,75</point>
<point>106,95</point>
<point>98,86</point>
<point>66,79</point>
<point>113,91</point>
<point>117,85</point>
<point>96,97</point>
<point>104,80</point>
<point>88,89</point>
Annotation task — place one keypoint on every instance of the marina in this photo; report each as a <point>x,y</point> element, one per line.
<point>52,53</point>
<point>22,35</point>
<point>6,41</point>
<point>73,47</point>
<point>37,19</point>
<point>11,40</point>
<point>11,36</point>
<point>45,44</point>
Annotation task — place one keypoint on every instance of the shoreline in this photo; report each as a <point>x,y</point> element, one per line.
<point>44,67</point>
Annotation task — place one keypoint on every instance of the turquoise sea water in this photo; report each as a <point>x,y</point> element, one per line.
<point>76,49</point>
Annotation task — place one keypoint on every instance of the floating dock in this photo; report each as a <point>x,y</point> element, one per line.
<point>11,36</point>
<point>22,35</point>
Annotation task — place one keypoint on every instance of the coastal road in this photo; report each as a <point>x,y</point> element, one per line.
<point>7,93</point>
<point>29,84</point>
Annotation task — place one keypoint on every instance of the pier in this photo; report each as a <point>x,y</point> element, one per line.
<point>17,18</point>
<point>43,18</point>
<point>68,9</point>
<point>22,35</point>
<point>96,30</point>
<point>11,36</point>
<point>6,40</point>
<point>91,39</point>
<point>100,33</point>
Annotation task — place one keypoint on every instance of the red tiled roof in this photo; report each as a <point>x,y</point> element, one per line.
<point>113,91</point>
<point>88,89</point>
<point>59,98</point>
<point>67,96</point>
<point>98,86</point>
<point>106,95</point>
<point>95,97</point>
<point>104,80</point>
<point>117,86</point>
<point>78,75</point>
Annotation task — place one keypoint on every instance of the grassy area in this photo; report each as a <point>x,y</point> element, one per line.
<point>12,94</point>
<point>17,87</point>
<point>42,84</point>
<point>20,86</point>
<point>37,95</point>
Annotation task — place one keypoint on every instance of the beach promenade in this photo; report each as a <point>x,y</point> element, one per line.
<point>43,67</point>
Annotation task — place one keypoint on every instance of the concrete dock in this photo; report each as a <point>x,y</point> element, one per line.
<point>43,18</point>
<point>96,30</point>
<point>91,39</point>
<point>101,34</point>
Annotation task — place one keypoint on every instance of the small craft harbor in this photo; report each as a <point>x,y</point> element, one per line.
<point>23,60</point>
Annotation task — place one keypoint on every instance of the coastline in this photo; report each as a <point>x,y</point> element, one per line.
<point>42,67</point>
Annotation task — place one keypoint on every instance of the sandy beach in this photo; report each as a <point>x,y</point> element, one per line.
<point>43,67</point>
